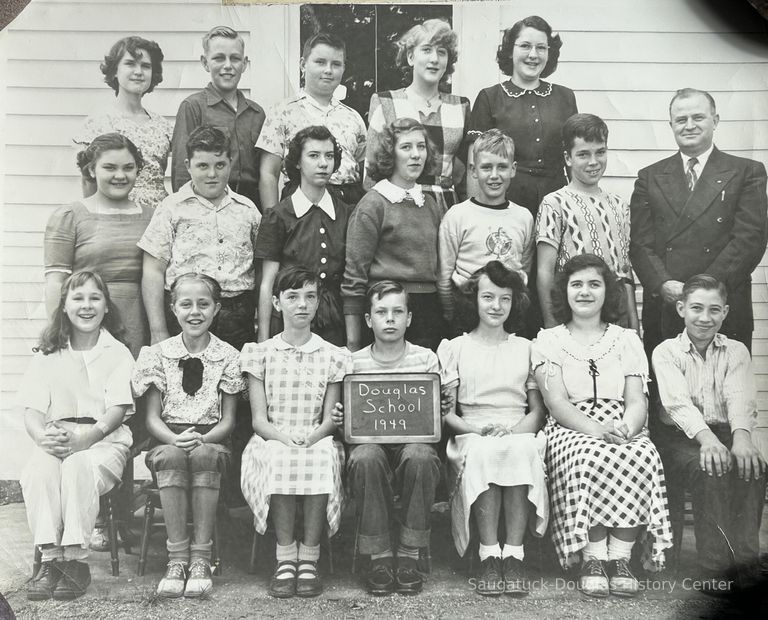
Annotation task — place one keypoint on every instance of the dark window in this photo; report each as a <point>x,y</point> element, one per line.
<point>369,32</point>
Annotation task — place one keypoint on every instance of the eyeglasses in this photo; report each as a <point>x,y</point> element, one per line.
<point>527,47</point>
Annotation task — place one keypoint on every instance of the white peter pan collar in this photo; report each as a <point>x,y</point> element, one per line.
<point>393,193</point>
<point>310,346</point>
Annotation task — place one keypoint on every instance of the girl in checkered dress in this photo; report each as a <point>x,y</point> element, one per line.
<point>606,479</point>
<point>294,379</point>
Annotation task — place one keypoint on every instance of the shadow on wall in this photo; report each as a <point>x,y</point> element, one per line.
<point>9,9</point>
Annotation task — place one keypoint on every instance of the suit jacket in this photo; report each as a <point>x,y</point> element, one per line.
<point>720,228</point>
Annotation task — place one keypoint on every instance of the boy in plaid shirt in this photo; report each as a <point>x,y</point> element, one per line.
<point>376,472</point>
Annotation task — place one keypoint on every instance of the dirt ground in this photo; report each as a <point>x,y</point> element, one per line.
<point>447,593</point>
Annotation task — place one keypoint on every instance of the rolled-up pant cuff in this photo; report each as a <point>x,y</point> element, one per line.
<point>414,538</point>
<point>172,478</point>
<point>207,479</point>
<point>368,545</point>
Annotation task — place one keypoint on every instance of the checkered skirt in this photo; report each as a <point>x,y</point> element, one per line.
<point>593,482</point>
<point>270,467</point>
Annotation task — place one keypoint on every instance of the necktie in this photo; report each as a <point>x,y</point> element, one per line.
<point>690,173</point>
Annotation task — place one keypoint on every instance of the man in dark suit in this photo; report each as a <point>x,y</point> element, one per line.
<point>699,211</point>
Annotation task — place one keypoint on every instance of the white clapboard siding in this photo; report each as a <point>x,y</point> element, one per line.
<point>623,58</point>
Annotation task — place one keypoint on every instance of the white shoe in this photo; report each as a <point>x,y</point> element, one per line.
<point>200,580</point>
<point>172,584</point>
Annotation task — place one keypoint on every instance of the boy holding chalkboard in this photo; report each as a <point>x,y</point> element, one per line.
<point>376,472</point>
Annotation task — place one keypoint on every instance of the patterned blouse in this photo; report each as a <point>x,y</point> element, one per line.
<point>152,138</point>
<point>287,118</point>
<point>190,234</point>
<point>446,128</point>
<point>576,223</point>
<point>158,365</point>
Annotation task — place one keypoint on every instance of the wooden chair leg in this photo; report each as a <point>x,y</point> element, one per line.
<point>330,552</point>
<point>112,526</point>
<point>356,545</point>
<point>216,551</point>
<point>149,512</point>
<point>37,560</point>
<point>254,552</point>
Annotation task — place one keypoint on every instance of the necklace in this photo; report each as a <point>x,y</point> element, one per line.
<point>426,100</point>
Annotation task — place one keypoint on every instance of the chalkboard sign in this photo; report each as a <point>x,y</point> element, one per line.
<point>392,408</point>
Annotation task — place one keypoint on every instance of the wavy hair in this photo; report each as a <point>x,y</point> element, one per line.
<point>382,164</point>
<point>55,336</point>
<point>504,53</point>
<point>131,45</point>
<point>611,309</point>
<point>466,307</point>
<point>87,158</point>
<point>296,147</point>
<point>436,32</point>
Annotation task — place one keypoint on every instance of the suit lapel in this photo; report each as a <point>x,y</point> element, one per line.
<point>713,181</point>
<point>672,184</point>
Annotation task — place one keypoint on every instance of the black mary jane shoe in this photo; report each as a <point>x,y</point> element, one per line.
<point>308,583</point>
<point>283,582</point>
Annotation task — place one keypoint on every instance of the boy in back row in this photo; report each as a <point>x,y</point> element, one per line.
<point>222,105</point>
<point>709,412</point>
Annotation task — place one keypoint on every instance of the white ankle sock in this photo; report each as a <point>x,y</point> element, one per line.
<point>515,551</point>
<point>285,553</point>
<point>619,549</point>
<point>595,550</point>
<point>489,551</point>
<point>383,554</point>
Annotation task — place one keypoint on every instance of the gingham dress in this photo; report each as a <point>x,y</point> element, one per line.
<point>593,482</point>
<point>295,380</point>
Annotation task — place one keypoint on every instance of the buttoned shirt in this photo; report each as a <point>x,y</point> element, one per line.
<point>288,117</point>
<point>190,234</point>
<point>302,204</point>
<point>243,127</point>
<point>698,390</point>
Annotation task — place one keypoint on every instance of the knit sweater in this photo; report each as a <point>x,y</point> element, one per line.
<point>471,235</point>
<point>390,241</point>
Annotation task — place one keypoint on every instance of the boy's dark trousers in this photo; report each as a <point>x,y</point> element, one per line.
<point>727,502</point>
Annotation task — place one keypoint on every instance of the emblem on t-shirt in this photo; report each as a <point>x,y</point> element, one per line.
<point>498,244</point>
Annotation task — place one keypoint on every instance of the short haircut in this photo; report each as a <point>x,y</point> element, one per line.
<point>496,142</point>
<point>588,127</point>
<point>707,282</point>
<point>294,278</point>
<point>435,32</point>
<point>504,53</point>
<point>466,307</point>
<point>382,163</point>
<point>684,93</point>
<point>131,45</point>
<point>384,287</point>
<point>114,141</point>
<point>221,31</point>
<point>323,38</point>
<point>191,276</point>
<point>208,139</point>
<point>296,147</point>
<point>611,310</point>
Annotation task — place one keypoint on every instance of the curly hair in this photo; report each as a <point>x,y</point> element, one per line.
<point>131,45</point>
<point>208,139</point>
<point>55,336</point>
<point>87,158</point>
<point>382,164</point>
<point>611,309</point>
<point>496,272</point>
<point>296,147</point>
<point>504,53</point>
<point>436,32</point>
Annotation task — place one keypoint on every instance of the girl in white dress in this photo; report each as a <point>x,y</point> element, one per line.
<point>294,379</point>
<point>495,457</point>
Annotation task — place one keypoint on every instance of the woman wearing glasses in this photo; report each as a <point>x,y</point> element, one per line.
<point>528,109</point>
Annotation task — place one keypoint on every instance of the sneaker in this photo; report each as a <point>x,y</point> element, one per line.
<point>172,584</point>
<point>408,579</point>
<point>621,581</point>
<point>380,579</point>
<point>199,580</point>
<point>592,579</point>
<point>75,579</point>
<point>490,579</point>
<point>283,582</point>
<point>99,539</point>
<point>308,582</point>
<point>516,580</point>
<point>41,586</point>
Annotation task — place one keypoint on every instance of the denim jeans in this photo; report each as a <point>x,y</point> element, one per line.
<point>376,473</point>
<point>727,501</point>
